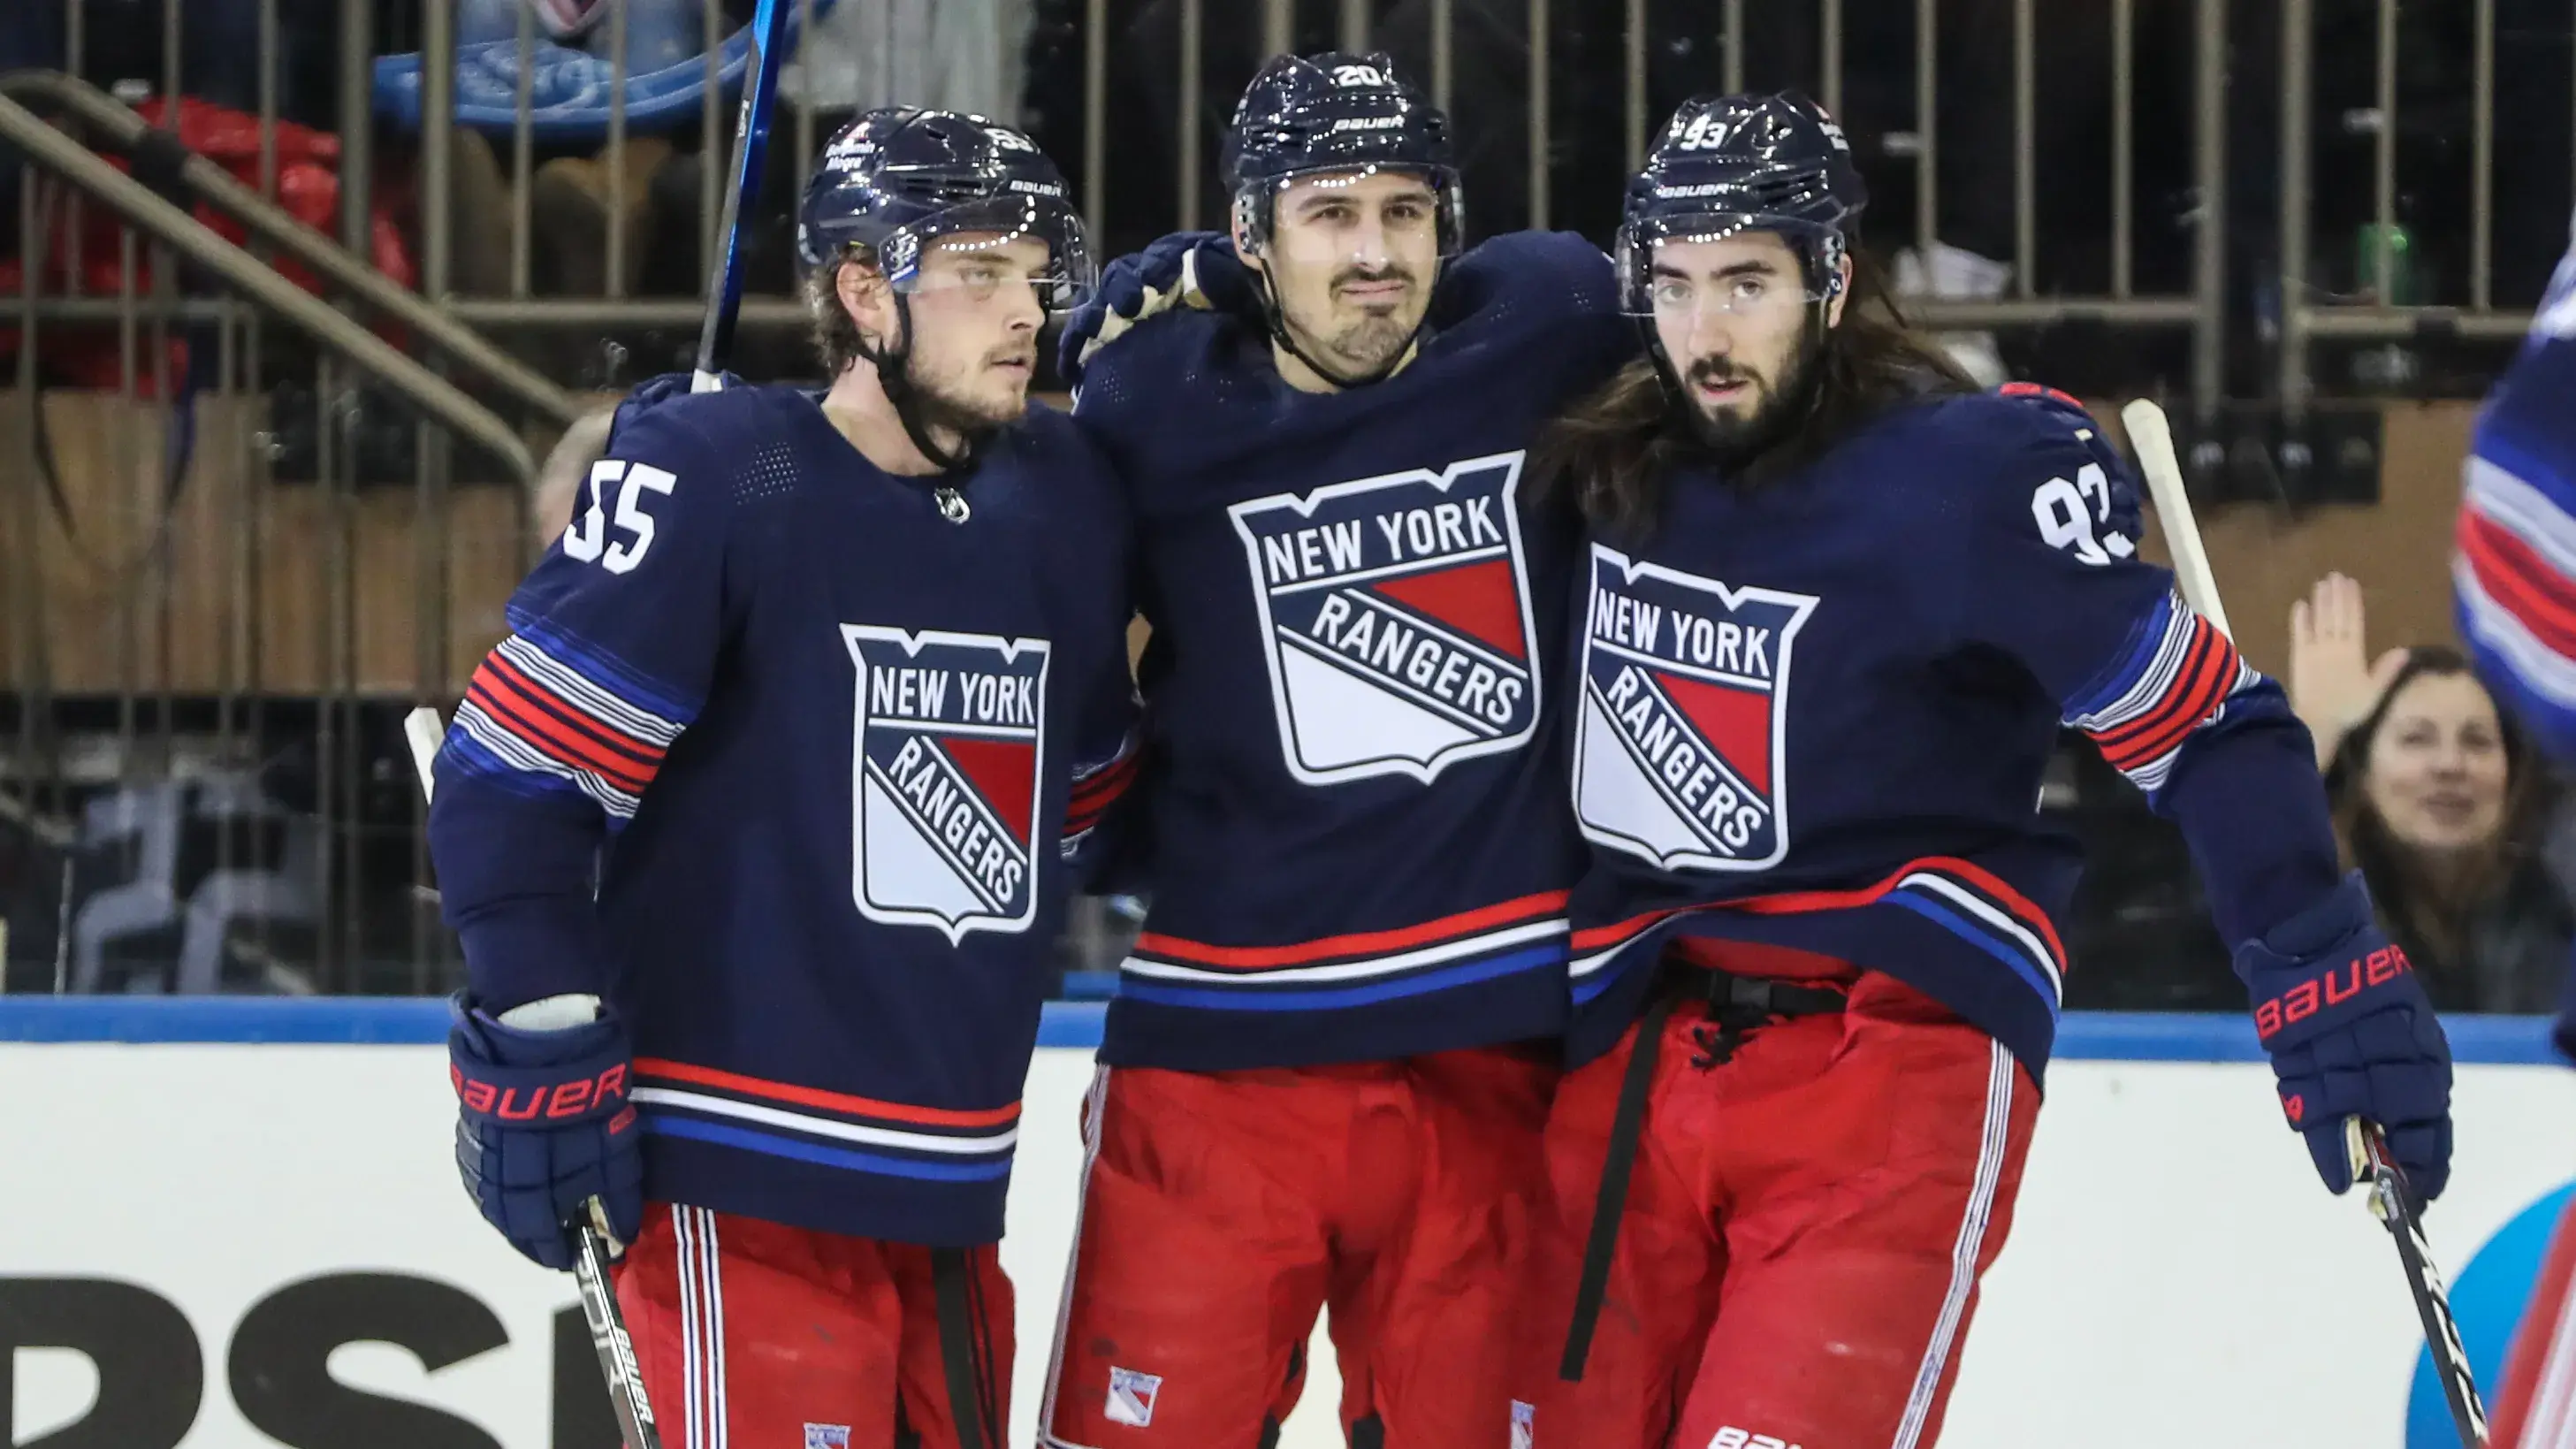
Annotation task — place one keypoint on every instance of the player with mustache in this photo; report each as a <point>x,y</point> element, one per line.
<point>1329,1059</point>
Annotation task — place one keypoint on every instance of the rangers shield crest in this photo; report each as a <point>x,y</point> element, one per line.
<point>1396,619</point>
<point>945,783</point>
<point>1680,750</point>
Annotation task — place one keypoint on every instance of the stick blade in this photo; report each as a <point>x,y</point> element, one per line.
<point>423,730</point>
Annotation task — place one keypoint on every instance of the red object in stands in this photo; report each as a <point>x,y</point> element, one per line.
<point>88,355</point>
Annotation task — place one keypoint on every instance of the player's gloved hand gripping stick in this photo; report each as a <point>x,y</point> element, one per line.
<point>527,1163</point>
<point>2363,1071</point>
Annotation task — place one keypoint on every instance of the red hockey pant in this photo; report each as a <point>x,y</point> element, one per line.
<point>2537,1408</point>
<point>1223,1210</point>
<point>1803,1236</point>
<point>753,1335</point>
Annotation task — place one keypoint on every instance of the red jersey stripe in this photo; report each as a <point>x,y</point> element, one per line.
<point>1987,884</point>
<point>530,719</point>
<point>2520,581</point>
<point>1359,943</point>
<point>672,1071</point>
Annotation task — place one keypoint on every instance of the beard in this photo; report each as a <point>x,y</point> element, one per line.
<point>1374,339</point>
<point>947,404</point>
<point>1737,437</point>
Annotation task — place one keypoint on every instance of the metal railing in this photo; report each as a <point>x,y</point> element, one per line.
<point>2304,320</point>
<point>161,650</point>
<point>2199,310</point>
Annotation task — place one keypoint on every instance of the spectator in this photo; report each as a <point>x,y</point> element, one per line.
<point>2441,806</point>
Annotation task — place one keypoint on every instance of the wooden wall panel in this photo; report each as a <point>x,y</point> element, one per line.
<point>243,587</point>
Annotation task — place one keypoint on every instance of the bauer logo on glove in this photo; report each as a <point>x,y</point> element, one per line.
<point>2307,998</point>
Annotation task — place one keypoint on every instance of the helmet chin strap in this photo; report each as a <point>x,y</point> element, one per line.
<point>894,374</point>
<point>1277,317</point>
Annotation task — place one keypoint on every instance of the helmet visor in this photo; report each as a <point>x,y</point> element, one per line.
<point>1699,260</point>
<point>1260,201</point>
<point>977,247</point>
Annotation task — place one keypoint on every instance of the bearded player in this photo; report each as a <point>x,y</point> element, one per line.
<point>1323,1082</point>
<point>1837,607</point>
<point>754,828</point>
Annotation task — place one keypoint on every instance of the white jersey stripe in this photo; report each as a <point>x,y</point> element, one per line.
<point>2544,670</point>
<point>1351,970</point>
<point>1978,907</point>
<point>577,689</point>
<point>2522,510</point>
<point>991,1145</point>
<point>523,756</point>
<point>1991,1151</point>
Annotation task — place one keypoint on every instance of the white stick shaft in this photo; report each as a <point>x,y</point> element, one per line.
<point>2152,437</point>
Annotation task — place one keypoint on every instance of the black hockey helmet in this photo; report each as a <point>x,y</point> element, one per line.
<point>1731,164</point>
<point>1337,111</point>
<point>899,178</point>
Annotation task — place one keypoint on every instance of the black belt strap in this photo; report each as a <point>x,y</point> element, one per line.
<point>1612,1200</point>
<point>1736,1004</point>
<point>959,1338</point>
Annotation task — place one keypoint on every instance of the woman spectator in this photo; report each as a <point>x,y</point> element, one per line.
<point>2440,805</point>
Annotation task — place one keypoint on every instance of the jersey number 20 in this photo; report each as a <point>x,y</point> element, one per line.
<point>587,539</point>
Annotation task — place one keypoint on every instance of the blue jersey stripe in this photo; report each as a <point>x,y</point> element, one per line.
<point>1418,983</point>
<point>600,667</point>
<point>750,1140</point>
<point>1976,935</point>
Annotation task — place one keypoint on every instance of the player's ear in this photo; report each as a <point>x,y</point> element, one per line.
<point>865,296</point>
<point>1842,294</point>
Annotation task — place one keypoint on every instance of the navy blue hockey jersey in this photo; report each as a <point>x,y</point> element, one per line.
<point>1354,833</point>
<point>822,752</point>
<point>1815,714</point>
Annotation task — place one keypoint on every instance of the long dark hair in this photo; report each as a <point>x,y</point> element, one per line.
<point>2430,912</point>
<point>1610,452</point>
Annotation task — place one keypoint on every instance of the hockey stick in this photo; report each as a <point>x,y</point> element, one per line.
<point>608,1336</point>
<point>2152,439</point>
<point>750,144</point>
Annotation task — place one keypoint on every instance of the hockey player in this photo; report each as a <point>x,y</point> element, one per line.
<point>1319,1082</point>
<point>752,827</point>
<point>2516,575</point>
<point>1838,606</point>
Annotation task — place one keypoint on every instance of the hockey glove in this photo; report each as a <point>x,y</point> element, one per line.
<point>545,1126</point>
<point>1187,268</point>
<point>2352,1033</point>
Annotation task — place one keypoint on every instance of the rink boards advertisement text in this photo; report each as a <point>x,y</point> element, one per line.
<point>238,1223</point>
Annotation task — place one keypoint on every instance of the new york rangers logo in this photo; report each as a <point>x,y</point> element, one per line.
<point>1679,753</point>
<point>1395,613</point>
<point>951,729</point>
